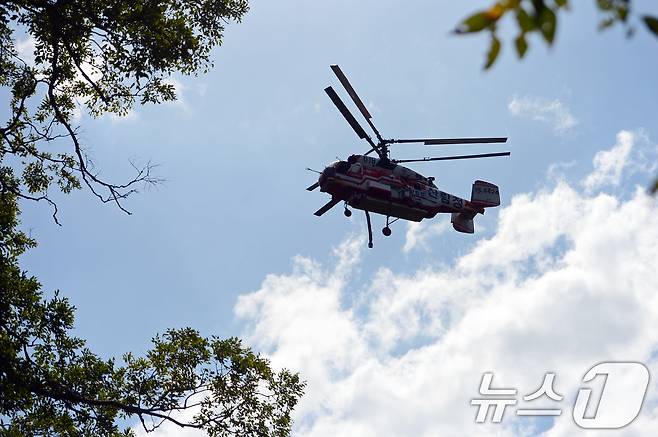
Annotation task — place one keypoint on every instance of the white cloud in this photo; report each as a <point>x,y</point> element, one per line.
<point>418,234</point>
<point>168,430</point>
<point>25,49</point>
<point>567,281</point>
<point>131,115</point>
<point>180,103</point>
<point>552,112</point>
<point>179,89</point>
<point>632,153</point>
<point>609,164</point>
<point>558,170</point>
<point>183,92</point>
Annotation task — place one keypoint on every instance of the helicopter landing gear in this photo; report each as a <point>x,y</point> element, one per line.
<point>387,230</point>
<point>346,211</point>
<point>369,230</point>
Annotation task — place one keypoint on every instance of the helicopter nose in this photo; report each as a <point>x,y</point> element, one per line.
<point>326,173</point>
<point>329,171</point>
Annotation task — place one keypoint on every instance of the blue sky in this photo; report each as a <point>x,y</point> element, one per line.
<point>233,149</point>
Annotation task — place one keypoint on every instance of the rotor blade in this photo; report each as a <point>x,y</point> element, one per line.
<point>346,112</point>
<point>442,141</point>
<point>350,90</point>
<point>355,98</point>
<point>436,141</point>
<point>333,202</point>
<point>445,158</point>
<point>313,187</point>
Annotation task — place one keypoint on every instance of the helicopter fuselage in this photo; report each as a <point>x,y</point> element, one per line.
<point>382,187</point>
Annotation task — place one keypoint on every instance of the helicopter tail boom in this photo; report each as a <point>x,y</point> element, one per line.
<point>485,194</point>
<point>463,222</point>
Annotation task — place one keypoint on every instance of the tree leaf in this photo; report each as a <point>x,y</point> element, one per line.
<point>604,24</point>
<point>652,23</point>
<point>494,50</point>
<point>605,5</point>
<point>495,12</point>
<point>474,23</point>
<point>548,24</point>
<point>525,22</point>
<point>622,13</point>
<point>521,45</point>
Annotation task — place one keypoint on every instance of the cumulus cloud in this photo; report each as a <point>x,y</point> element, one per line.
<point>552,112</point>
<point>623,158</point>
<point>420,233</point>
<point>180,91</point>
<point>25,49</point>
<point>566,281</point>
<point>608,164</point>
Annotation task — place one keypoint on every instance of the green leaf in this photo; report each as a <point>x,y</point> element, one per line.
<point>521,45</point>
<point>474,23</point>
<point>494,50</point>
<point>652,23</point>
<point>604,24</point>
<point>562,3</point>
<point>526,23</point>
<point>548,24</point>
<point>622,13</point>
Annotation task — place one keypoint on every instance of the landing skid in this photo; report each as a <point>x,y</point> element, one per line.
<point>369,229</point>
<point>386,230</point>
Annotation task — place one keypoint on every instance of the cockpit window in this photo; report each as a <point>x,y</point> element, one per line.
<point>342,167</point>
<point>356,168</point>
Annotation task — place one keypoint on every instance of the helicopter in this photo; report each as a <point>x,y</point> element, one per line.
<point>382,186</point>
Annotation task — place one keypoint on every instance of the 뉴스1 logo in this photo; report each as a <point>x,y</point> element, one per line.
<point>617,405</point>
